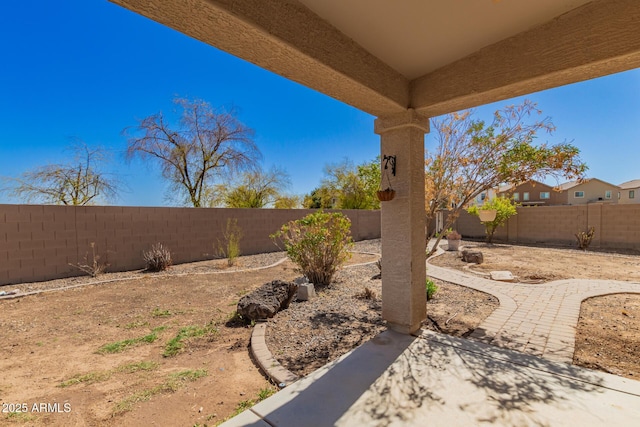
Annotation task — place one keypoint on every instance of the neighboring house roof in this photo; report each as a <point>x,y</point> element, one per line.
<point>507,187</point>
<point>571,184</point>
<point>634,183</point>
<point>568,185</point>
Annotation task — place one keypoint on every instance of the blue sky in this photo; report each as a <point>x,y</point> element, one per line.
<point>89,69</point>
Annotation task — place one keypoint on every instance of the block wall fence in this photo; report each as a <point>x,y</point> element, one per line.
<point>616,226</point>
<point>38,242</point>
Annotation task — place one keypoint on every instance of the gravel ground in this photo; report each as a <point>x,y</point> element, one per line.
<point>201,267</point>
<point>348,312</point>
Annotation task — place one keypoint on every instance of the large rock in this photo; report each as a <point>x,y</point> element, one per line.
<point>472,256</point>
<point>502,276</point>
<point>267,300</point>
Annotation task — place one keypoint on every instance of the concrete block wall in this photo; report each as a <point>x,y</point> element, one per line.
<point>40,242</point>
<point>616,226</point>
<point>620,226</point>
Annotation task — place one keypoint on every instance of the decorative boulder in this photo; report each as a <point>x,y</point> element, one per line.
<point>472,256</point>
<point>267,300</point>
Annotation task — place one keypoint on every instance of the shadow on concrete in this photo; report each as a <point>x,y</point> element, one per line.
<point>324,396</point>
<point>439,380</point>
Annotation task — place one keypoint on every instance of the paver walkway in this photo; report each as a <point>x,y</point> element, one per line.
<point>536,319</point>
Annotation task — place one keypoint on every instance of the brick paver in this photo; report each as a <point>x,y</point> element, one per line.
<point>537,319</point>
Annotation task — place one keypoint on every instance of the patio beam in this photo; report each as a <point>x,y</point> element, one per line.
<point>597,39</point>
<point>288,39</point>
<point>403,221</point>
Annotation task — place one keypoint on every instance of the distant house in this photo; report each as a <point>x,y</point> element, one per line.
<point>588,191</point>
<point>629,192</point>
<point>532,193</point>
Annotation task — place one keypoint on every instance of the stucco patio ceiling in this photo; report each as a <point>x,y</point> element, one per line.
<point>435,56</point>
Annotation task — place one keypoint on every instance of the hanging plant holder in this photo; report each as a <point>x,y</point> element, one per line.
<point>386,195</point>
<point>487,215</point>
<point>389,193</point>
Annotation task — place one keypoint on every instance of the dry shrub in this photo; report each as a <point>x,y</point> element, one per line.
<point>584,238</point>
<point>158,258</point>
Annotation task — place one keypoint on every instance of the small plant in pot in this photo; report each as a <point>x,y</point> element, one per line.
<point>386,195</point>
<point>453,239</point>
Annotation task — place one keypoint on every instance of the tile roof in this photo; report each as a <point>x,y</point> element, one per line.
<point>634,183</point>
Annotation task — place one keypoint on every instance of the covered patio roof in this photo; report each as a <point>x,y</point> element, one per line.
<point>404,62</point>
<point>433,56</point>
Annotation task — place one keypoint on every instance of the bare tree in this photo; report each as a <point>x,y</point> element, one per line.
<point>206,145</point>
<point>471,157</point>
<point>80,182</point>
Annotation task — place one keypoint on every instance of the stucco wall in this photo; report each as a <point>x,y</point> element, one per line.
<point>534,190</point>
<point>616,226</point>
<point>593,191</point>
<point>39,242</point>
<point>625,193</point>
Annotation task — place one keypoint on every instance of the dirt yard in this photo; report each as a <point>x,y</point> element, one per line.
<point>539,265</point>
<point>162,349</point>
<point>51,352</point>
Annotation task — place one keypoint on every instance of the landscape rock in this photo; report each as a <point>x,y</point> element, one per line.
<point>472,256</point>
<point>306,291</point>
<point>267,300</point>
<point>502,276</point>
<point>301,280</point>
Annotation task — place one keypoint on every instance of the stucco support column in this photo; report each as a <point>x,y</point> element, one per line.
<point>403,221</point>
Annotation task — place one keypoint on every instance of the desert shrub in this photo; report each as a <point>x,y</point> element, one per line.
<point>504,207</point>
<point>584,238</point>
<point>230,246</point>
<point>432,288</point>
<point>367,293</point>
<point>158,258</point>
<point>453,235</point>
<point>93,266</point>
<point>318,244</point>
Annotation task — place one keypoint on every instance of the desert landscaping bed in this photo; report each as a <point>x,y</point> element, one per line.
<point>54,351</point>
<point>543,264</point>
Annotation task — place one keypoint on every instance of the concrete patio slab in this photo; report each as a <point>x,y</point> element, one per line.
<point>438,380</point>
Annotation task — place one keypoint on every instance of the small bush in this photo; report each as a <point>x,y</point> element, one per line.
<point>93,267</point>
<point>453,235</point>
<point>230,247</point>
<point>318,244</point>
<point>158,258</point>
<point>584,238</point>
<point>431,289</point>
<point>504,207</point>
<point>367,294</point>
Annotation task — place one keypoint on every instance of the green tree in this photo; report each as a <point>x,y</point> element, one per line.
<point>205,145</point>
<point>504,207</point>
<point>82,181</point>
<point>255,189</point>
<point>287,202</point>
<point>320,198</point>
<point>471,157</point>
<point>347,186</point>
